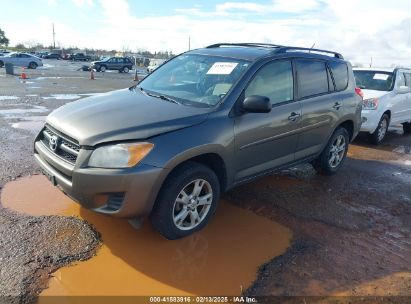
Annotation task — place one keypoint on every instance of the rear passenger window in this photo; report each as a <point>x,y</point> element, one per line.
<point>312,78</point>
<point>275,81</point>
<point>340,73</point>
<point>408,79</point>
<point>400,80</point>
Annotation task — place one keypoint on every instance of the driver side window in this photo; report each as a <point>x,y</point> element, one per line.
<point>275,81</point>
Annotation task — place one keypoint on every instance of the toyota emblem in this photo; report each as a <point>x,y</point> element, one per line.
<point>54,143</point>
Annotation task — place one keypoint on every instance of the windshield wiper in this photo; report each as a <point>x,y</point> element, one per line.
<point>163,97</point>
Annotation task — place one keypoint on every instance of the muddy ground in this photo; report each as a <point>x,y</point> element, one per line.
<point>351,231</point>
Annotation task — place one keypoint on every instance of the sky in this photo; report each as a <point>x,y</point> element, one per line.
<point>359,29</point>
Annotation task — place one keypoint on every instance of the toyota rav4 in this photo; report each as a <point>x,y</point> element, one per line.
<point>201,124</point>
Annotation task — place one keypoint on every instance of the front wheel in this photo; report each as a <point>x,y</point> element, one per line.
<point>407,127</point>
<point>334,154</point>
<point>103,68</point>
<point>1,64</point>
<point>126,70</point>
<point>186,202</point>
<point>379,134</point>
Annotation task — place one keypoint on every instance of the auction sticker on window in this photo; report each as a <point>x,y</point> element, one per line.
<point>381,76</point>
<point>222,68</point>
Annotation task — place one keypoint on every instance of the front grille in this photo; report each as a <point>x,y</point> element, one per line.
<point>60,144</point>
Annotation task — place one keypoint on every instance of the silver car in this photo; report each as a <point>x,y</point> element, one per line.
<point>22,60</point>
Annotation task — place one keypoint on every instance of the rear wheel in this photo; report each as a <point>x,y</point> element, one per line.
<point>33,65</point>
<point>334,154</point>
<point>186,202</point>
<point>379,134</point>
<point>407,127</point>
<point>1,64</point>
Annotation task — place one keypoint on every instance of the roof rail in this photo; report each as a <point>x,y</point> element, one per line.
<point>278,48</point>
<point>244,44</point>
<point>285,49</point>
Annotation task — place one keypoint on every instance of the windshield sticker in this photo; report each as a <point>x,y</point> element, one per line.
<point>222,68</point>
<point>381,76</point>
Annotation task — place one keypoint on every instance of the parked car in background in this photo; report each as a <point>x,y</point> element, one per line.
<point>22,60</point>
<point>122,64</point>
<point>201,124</point>
<point>80,57</point>
<point>52,56</point>
<point>387,100</point>
<point>154,64</point>
<point>4,52</point>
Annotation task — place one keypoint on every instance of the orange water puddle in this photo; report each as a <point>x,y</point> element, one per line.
<point>222,259</point>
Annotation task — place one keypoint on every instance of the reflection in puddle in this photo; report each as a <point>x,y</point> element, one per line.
<point>222,259</point>
<point>31,123</point>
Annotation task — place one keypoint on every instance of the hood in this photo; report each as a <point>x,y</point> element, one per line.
<point>373,93</point>
<point>122,115</point>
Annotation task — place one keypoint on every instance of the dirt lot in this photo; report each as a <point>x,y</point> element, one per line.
<point>351,233</point>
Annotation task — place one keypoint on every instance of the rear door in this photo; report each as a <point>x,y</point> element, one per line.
<point>407,105</point>
<point>399,101</point>
<point>321,105</point>
<point>267,140</point>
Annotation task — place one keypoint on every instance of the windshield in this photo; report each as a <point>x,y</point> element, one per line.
<point>374,80</point>
<point>196,80</point>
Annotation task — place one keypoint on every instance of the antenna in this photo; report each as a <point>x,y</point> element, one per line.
<point>54,38</point>
<point>189,43</point>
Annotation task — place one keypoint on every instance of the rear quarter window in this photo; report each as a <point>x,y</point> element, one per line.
<point>340,74</point>
<point>311,77</point>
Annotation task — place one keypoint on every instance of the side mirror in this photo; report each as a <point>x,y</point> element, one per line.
<point>257,104</point>
<point>403,90</point>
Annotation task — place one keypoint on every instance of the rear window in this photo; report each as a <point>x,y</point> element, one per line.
<point>312,78</point>
<point>374,80</point>
<point>340,74</point>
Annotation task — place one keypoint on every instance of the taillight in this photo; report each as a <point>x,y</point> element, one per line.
<point>359,92</point>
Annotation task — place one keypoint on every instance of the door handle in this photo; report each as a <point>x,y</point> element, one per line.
<point>294,116</point>
<point>337,105</point>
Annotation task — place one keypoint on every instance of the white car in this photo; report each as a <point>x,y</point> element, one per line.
<point>21,59</point>
<point>387,100</point>
<point>154,64</point>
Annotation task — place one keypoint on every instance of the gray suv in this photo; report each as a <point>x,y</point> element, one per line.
<point>201,124</point>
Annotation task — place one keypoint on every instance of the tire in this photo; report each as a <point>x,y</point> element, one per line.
<point>333,156</point>
<point>406,127</point>
<point>1,64</point>
<point>32,65</point>
<point>103,68</point>
<point>126,70</point>
<point>175,218</point>
<point>379,134</point>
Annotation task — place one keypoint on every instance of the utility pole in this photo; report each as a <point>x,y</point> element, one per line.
<point>54,38</point>
<point>189,43</point>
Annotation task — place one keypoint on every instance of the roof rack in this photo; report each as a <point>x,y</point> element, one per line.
<point>278,48</point>
<point>244,44</point>
<point>285,49</point>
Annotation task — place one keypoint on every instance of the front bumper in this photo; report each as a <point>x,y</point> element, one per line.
<point>127,193</point>
<point>370,120</point>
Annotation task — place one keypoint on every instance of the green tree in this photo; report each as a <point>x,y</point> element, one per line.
<point>3,39</point>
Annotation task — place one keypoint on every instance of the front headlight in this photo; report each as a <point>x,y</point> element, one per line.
<point>119,156</point>
<point>370,104</point>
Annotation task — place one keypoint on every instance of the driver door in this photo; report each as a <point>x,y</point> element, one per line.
<point>264,141</point>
